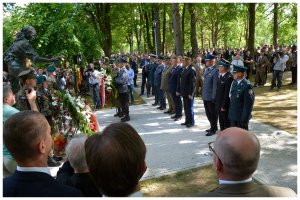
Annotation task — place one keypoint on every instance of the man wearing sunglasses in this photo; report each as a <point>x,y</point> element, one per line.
<point>236,153</point>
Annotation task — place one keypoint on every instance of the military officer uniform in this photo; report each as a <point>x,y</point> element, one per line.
<point>51,79</point>
<point>187,88</point>
<point>148,73</point>
<point>121,81</point>
<point>222,96</point>
<point>241,101</point>
<point>161,98</point>
<point>154,88</point>
<point>165,87</point>
<point>209,95</point>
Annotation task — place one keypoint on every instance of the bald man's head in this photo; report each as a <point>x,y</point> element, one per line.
<point>239,151</point>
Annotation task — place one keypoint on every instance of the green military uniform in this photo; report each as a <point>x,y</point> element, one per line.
<point>52,81</point>
<point>241,101</point>
<point>22,102</point>
<point>45,104</point>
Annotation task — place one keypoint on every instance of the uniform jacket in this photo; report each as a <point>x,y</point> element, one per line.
<point>187,83</point>
<point>250,189</point>
<point>147,70</point>
<point>223,88</point>
<point>36,184</point>
<point>241,101</point>
<point>121,80</point>
<point>210,84</point>
<point>158,74</point>
<point>153,69</point>
<point>44,100</point>
<point>174,79</point>
<point>81,181</point>
<point>165,78</point>
<point>262,62</point>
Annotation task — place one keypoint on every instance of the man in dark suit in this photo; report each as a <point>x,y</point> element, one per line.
<point>222,96</point>
<point>157,83</point>
<point>28,139</point>
<point>241,99</point>
<point>209,93</point>
<point>174,88</point>
<point>236,155</point>
<point>187,91</point>
<point>75,171</point>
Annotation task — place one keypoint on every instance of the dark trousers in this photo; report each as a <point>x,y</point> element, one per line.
<point>148,86</point>
<point>224,120</point>
<point>143,83</point>
<point>211,115</point>
<point>239,124</point>
<point>96,95</point>
<point>124,103</point>
<point>161,98</point>
<point>178,105</point>
<point>277,74</point>
<point>156,94</point>
<point>294,74</point>
<point>189,110</point>
<point>134,79</point>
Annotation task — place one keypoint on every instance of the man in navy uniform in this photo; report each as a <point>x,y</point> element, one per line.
<point>222,96</point>
<point>152,71</point>
<point>157,83</point>
<point>241,99</point>
<point>144,63</point>
<point>148,74</point>
<point>209,91</point>
<point>187,91</point>
<point>174,88</point>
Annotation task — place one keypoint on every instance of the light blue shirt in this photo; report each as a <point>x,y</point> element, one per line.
<point>224,182</point>
<point>130,76</point>
<point>34,169</point>
<point>281,63</point>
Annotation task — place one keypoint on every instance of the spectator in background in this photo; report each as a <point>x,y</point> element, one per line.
<point>248,61</point>
<point>199,67</point>
<point>144,62</point>
<point>237,60</point>
<point>75,172</point>
<point>130,81</point>
<point>30,148</point>
<point>294,65</point>
<point>116,159</point>
<point>279,67</point>
<point>236,154</point>
<point>261,65</point>
<point>134,66</point>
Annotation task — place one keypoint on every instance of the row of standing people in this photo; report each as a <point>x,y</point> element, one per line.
<point>174,78</point>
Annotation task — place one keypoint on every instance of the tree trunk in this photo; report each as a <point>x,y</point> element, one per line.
<point>251,12</point>
<point>246,30</point>
<point>177,30</point>
<point>275,33</point>
<point>164,31</point>
<point>103,19</point>
<point>182,23</point>
<point>194,42</point>
<point>157,28</point>
<point>153,29</point>
<point>149,47</point>
<point>202,36</point>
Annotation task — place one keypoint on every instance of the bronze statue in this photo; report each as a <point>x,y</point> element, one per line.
<point>20,51</point>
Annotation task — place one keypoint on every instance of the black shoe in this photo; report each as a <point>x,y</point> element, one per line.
<point>121,115</point>
<point>162,108</point>
<point>125,119</point>
<point>189,125</point>
<point>52,163</point>
<point>183,124</point>
<point>208,130</point>
<point>172,113</point>
<point>148,95</point>
<point>210,133</point>
<point>167,112</point>
<point>173,117</point>
<point>141,94</point>
<point>177,119</point>
<point>154,104</point>
<point>117,114</point>
<point>159,107</point>
<point>57,158</point>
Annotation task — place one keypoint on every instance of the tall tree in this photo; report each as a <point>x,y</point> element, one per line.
<point>164,30</point>
<point>193,34</point>
<point>251,11</point>
<point>147,28</point>
<point>275,31</point>
<point>102,23</point>
<point>182,23</point>
<point>157,28</point>
<point>177,30</point>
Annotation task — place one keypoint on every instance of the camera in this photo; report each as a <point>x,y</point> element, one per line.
<point>28,90</point>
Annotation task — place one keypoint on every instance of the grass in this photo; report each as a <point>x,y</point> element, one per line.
<point>182,184</point>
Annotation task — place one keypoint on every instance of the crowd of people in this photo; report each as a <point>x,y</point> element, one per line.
<point>112,162</point>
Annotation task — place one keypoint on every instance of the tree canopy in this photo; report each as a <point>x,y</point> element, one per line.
<point>100,29</point>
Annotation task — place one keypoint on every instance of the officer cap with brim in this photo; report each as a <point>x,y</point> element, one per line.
<point>153,56</point>
<point>186,58</point>
<point>209,57</point>
<point>112,61</point>
<point>239,68</point>
<point>167,58</point>
<point>122,60</point>
<point>224,63</point>
<point>27,74</point>
<point>51,68</point>
<point>41,79</point>
<point>160,58</point>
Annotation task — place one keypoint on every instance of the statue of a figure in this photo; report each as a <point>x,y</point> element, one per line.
<point>19,52</point>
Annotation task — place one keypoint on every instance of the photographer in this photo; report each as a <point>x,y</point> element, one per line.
<point>279,61</point>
